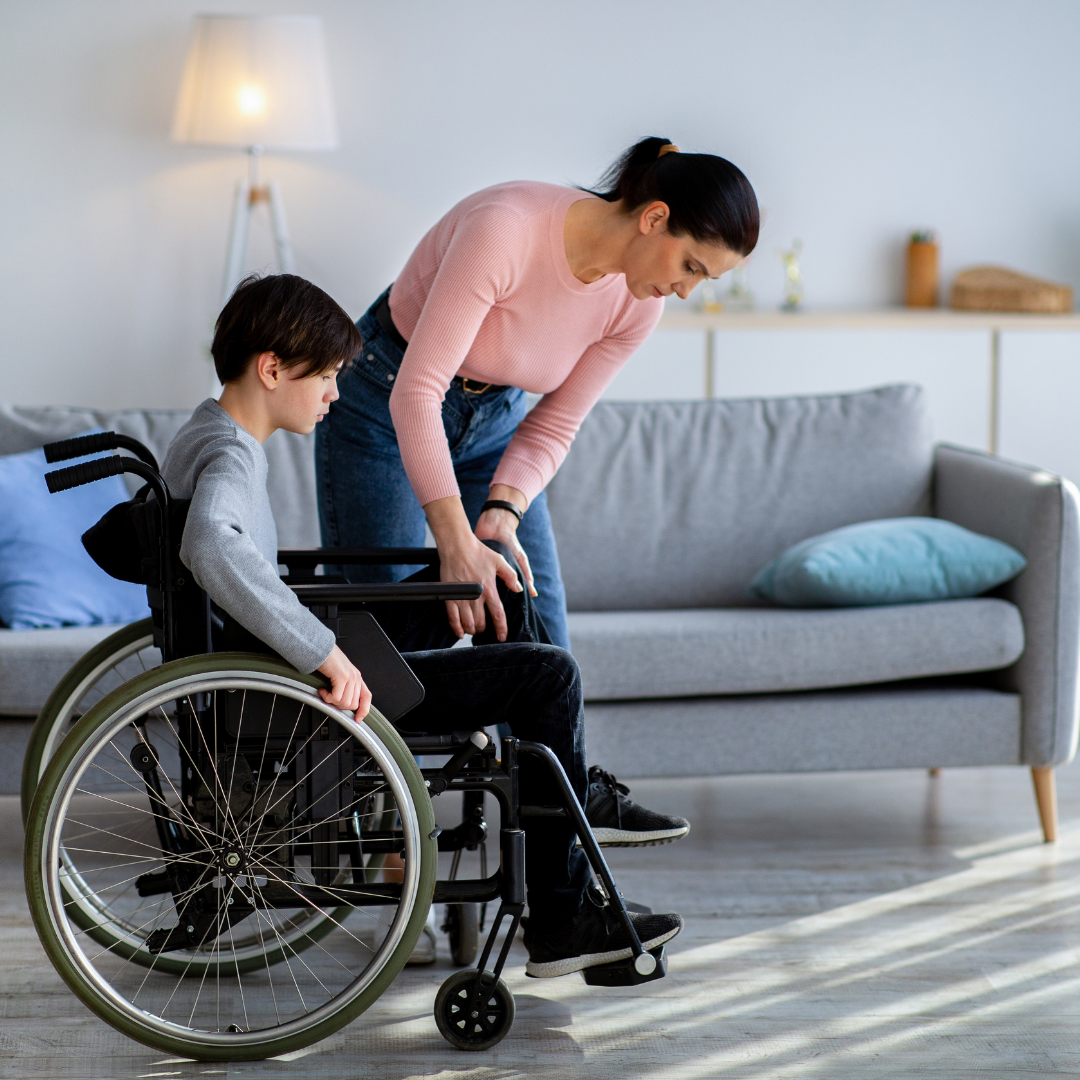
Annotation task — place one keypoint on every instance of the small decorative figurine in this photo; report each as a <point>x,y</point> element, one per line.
<point>710,302</point>
<point>793,279</point>
<point>739,296</point>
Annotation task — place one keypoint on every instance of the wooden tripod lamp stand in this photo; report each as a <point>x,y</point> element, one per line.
<point>257,83</point>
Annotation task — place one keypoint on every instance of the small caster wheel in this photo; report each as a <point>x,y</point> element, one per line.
<point>462,926</point>
<point>476,1026</point>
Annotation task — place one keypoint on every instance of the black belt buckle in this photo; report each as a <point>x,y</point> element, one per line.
<point>480,390</point>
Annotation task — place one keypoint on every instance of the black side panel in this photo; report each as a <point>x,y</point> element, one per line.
<point>394,688</point>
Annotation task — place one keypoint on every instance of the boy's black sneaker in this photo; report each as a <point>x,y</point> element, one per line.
<point>595,936</point>
<point>618,822</point>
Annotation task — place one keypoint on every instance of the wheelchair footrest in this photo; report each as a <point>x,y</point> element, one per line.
<point>624,973</point>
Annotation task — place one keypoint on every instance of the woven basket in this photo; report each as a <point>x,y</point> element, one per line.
<point>993,288</point>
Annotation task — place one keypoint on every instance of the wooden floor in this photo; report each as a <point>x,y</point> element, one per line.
<point>853,925</point>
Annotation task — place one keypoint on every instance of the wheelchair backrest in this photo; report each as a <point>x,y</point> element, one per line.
<point>135,542</point>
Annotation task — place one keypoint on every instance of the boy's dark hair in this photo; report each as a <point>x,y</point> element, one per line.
<point>285,315</point>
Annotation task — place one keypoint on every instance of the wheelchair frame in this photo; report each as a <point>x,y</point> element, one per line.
<point>182,620</point>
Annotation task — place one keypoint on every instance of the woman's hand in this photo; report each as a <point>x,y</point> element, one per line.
<point>347,687</point>
<point>501,525</point>
<point>462,557</point>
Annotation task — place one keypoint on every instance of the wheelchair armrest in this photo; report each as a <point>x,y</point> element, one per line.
<point>398,590</point>
<point>301,560</point>
<point>420,742</point>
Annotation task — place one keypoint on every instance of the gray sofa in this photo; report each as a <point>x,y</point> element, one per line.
<point>664,511</point>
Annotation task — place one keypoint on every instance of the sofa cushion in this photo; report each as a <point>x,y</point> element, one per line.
<point>895,727</point>
<point>679,504</point>
<point>654,654</point>
<point>32,662</point>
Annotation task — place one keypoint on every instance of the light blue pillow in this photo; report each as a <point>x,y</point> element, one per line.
<point>46,577</point>
<point>897,561</point>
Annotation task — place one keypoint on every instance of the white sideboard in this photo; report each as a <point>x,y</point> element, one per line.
<point>1002,382</point>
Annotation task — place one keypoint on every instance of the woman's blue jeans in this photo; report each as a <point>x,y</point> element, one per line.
<point>365,498</point>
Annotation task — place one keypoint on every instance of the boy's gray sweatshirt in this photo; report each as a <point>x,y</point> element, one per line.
<point>230,540</point>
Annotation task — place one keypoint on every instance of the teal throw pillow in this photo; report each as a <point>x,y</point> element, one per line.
<point>897,561</point>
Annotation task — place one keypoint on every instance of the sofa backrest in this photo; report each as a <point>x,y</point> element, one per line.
<point>679,504</point>
<point>291,458</point>
<point>658,504</point>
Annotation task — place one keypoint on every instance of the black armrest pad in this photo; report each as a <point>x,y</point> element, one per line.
<point>400,590</point>
<point>309,558</point>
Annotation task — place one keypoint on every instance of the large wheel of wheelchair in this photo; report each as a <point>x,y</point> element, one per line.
<point>474,1010</point>
<point>112,662</point>
<point>109,664</point>
<point>185,830</point>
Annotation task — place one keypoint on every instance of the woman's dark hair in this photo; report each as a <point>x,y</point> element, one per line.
<point>285,315</point>
<point>709,198</point>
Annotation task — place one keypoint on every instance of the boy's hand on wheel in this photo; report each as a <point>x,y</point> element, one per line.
<point>347,687</point>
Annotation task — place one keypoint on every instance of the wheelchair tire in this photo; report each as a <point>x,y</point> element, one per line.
<point>109,664</point>
<point>89,824</point>
<point>122,655</point>
<point>463,929</point>
<point>477,1028</point>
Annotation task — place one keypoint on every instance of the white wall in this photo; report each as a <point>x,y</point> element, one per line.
<point>855,120</point>
<point>953,367</point>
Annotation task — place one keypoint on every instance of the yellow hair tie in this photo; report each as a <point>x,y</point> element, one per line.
<point>667,148</point>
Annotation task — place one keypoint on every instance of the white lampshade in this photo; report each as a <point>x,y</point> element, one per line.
<point>257,80</point>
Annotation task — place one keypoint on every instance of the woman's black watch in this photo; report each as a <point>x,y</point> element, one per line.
<point>502,504</point>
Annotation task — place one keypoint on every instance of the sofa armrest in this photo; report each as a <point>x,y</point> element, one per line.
<point>1037,513</point>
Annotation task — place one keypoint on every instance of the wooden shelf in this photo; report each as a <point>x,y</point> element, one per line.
<point>897,318</point>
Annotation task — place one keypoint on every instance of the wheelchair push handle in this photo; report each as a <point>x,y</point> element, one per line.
<point>81,445</point>
<point>84,473</point>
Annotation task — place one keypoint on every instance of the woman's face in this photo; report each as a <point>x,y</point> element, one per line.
<point>657,263</point>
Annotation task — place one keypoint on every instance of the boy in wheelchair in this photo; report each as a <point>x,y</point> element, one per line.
<point>280,344</point>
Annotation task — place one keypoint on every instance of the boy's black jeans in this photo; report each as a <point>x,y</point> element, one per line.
<point>524,682</point>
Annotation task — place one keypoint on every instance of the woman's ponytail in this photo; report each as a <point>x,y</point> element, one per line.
<point>709,198</point>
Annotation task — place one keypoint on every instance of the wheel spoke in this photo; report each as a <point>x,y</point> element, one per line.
<point>315,907</point>
<point>239,985</point>
<point>285,950</point>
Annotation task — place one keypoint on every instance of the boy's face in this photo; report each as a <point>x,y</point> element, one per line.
<point>300,402</point>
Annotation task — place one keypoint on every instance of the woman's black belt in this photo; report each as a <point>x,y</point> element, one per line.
<point>386,321</point>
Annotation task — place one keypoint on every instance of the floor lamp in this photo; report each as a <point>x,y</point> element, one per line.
<point>258,82</point>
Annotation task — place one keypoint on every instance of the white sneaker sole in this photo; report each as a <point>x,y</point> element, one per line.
<point>626,838</point>
<point>554,968</point>
<point>424,950</point>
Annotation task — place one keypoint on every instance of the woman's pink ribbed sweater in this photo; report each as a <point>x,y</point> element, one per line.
<point>488,295</point>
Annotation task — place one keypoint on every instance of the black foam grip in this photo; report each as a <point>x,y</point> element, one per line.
<point>80,446</point>
<point>85,473</point>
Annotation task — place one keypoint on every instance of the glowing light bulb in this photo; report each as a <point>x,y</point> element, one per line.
<point>252,100</point>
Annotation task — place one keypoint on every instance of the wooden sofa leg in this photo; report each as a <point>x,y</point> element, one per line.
<point>1046,797</point>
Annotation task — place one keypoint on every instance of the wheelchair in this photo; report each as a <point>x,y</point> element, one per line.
<point>205,841</point>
